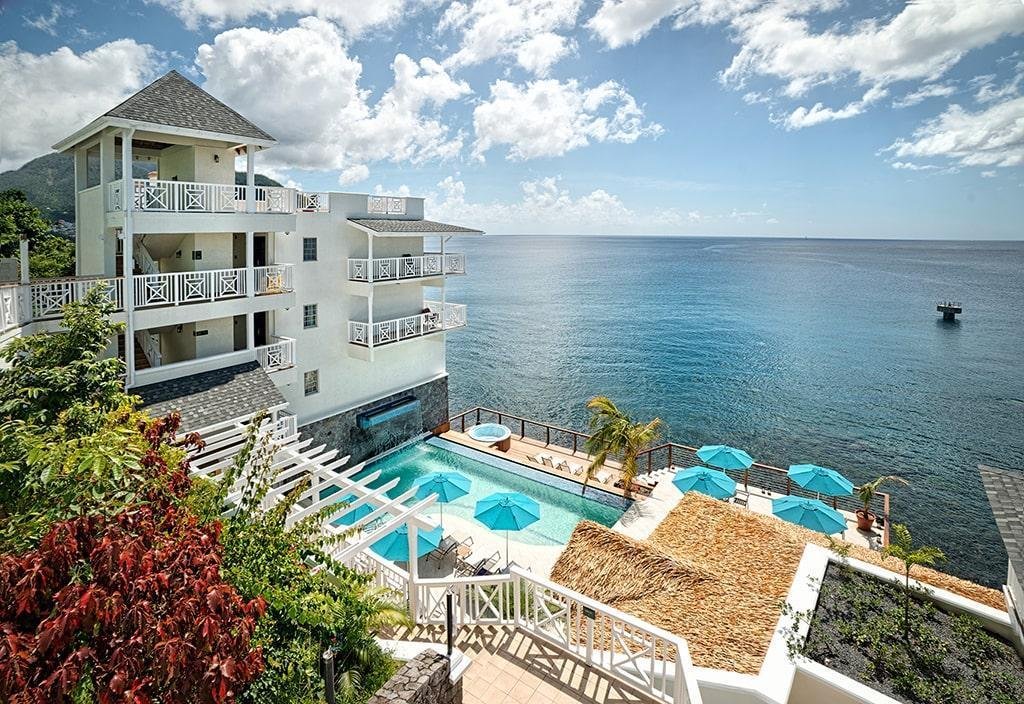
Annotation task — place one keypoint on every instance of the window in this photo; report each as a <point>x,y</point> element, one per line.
<point>309,315</point>
<point>311,382</point>
<point>309,249</point>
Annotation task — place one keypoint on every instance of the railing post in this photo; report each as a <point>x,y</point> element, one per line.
<point>670,454</point>
<point>522,428</point>
<point>547,434</point>
<point>575,439</point>
<point>789,485</point>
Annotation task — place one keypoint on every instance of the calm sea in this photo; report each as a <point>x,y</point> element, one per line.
<point>797,350</point>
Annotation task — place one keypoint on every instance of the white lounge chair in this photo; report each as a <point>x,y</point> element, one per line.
<point>549,461</point>
<point>539,459</point>
<point>604,476</point>
<point>574,468</point>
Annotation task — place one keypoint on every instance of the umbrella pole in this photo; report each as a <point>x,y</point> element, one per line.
<point>746,475</point>
<point>440,507</point>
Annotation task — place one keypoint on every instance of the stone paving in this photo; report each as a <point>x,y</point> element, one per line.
<point>511,667</point>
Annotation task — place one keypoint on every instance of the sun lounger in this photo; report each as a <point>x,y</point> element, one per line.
<point>740,498</point>
<point>604,476</point>
<point>465,548</point>
<point>488,565</point>
<point>539,459</point>
<point>574,468</point>
<point>548,461</point>
<point>447,544</point>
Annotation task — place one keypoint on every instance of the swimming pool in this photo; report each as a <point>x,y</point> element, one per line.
<point>561,505</point>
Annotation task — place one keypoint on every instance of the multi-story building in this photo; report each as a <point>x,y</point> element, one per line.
<point>243,295</point>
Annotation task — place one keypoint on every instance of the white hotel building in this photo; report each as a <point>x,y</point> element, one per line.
<point>240,297</point>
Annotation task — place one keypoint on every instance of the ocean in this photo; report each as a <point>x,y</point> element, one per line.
<point>797,350</point>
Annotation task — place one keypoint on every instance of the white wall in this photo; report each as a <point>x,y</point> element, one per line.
<point>90,239</point>
<point>345,380</point>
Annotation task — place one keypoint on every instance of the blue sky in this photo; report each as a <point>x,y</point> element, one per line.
<point>731,117</point>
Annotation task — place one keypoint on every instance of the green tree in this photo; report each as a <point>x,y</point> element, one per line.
<point>52,257</point>
<point>614,433</point>
<point>307,611</point>
<point>19,218</point>
<point>901,546</point>
<point>65,372</point>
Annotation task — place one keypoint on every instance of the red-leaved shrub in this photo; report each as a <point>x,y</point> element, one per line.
<point>134,604</point>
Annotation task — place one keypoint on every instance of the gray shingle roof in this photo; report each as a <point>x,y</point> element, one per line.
<point>411,226</point>
<point>178,102</point>
<point>212,397</point>
<point>1005,491</point>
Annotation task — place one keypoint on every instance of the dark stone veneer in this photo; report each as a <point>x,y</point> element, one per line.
<point>342,432</point>
<point>423,680</point>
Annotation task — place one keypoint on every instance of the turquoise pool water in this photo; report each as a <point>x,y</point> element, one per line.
<point>561,505</point>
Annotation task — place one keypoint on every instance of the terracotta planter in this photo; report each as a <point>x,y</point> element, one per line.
<point>865,519</point>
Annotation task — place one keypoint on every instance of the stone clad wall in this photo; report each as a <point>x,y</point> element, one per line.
<point>341,431</point>
<point>422,680</point>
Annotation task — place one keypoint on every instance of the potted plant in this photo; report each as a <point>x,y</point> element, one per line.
<point>866,493</point>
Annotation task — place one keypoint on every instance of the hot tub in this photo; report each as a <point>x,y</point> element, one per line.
<point>493,434</point>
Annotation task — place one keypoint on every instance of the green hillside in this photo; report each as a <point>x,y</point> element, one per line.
<point>49,183</point>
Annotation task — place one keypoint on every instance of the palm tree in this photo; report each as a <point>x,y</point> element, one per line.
<point>614,433</point>
<point>901,546</point>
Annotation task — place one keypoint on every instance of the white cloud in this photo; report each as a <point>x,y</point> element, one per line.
<point>911,166</point>
<point>989,92</point>
<point>796,43</point>
<point>549,118</point>
<point>988,174</point>
<point>546,206</point>
<point>928,90</point>
<point>993,136</point>
<point>302,86</point>
<point>355,16</point>
<point>353,174</point>
<point>524,30</point>
<point>46,97</point>
<point>48,22</point>
<point>804,117</point>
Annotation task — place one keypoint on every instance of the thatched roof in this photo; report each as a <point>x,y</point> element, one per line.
<point>712,573</point>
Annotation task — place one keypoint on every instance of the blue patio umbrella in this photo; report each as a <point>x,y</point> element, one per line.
<point>809,513</point>
<point>395,545</point>
<point>725,457</point>
<point>447,486</point>
<point>712,482</point>
<point>820,479</point>
<point>507,511</point>
<point>352,515</point>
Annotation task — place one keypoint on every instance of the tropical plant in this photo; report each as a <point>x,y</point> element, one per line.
<point>131,607</point>
<point>902,547</point>
<point>614,433</point>
<point>65,372</point>
<point>866,491</point>
<point>308,611</point>
<point>19,219</point>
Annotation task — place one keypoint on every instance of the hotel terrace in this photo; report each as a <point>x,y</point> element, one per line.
<point>329,312</point>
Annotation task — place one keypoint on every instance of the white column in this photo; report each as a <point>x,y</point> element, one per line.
<point>23,259</point>
<point>369,297</point>
<point>250,272</point>
<point>107,164</point>
<point>444,282</point>
<point>128,234</point>
<point>81,181</point>
<point>250,178</point>
<point>413,570</point>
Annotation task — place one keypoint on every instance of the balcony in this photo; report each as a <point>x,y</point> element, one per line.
<point>207,286</point>
<point>192,197</point>
<point>278,356</point>
<point>405,268</point>
<point>45,300</point>
<point>440,318</point>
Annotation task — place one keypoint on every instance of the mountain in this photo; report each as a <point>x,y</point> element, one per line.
<point>49,183</point>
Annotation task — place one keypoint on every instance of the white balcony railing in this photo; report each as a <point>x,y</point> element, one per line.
<point>22,304</point>
<point>276,278</point>
<point>398,268</point>
<point>279,354</point>
<point>312,202</point>
<point>192,197</point>
<point>385,332</point>
<point>204,286</point>
<point>385,205</point>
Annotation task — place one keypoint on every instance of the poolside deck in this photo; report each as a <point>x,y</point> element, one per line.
<point>648,510</point>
